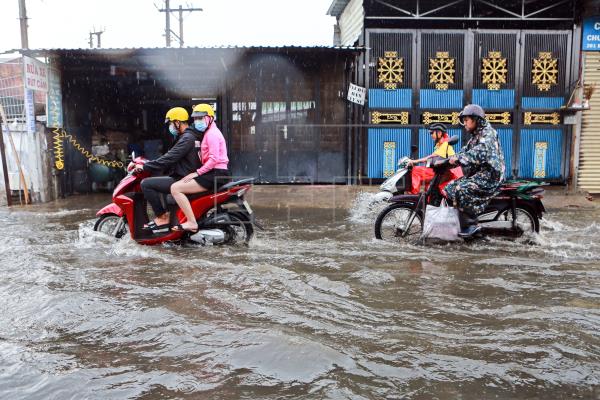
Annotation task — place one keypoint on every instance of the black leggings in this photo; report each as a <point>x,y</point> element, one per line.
<point>153,189</point>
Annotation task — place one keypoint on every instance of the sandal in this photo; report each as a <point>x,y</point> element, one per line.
<point>160,228</point>
<point>150,225</point>
<point>179,228</point>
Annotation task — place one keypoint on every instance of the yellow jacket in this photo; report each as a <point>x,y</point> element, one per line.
<point>443,150</point>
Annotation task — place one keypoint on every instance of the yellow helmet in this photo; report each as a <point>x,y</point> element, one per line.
<point>203,109</point>
<point>177,114</point>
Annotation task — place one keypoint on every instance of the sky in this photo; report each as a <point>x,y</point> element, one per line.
<point>138,23</point>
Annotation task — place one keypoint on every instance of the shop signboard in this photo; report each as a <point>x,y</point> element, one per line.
<point>590,40</point>
<point>54,111</point>
<point>36,74</point>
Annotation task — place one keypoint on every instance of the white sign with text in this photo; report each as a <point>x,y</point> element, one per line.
<point>29,111</point>
<point>36,74</point>
<point>357,94</point>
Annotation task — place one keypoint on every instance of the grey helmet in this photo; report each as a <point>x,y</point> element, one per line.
<point>472,110</point>
<point>437,126</point>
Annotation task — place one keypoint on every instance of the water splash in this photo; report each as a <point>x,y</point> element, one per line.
<point>49,214</point>
<point>365,208</point>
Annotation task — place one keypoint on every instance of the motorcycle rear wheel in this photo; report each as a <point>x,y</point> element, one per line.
<point>241,232</point>
<point>527,222</point>
<point>392,221</point>
<point>107,223</point>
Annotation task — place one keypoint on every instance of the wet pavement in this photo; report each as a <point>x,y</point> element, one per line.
<point>313,308</point>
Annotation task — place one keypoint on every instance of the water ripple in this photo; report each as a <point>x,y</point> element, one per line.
<point>313,308</point>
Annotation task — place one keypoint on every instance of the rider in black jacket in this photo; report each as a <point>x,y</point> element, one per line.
<point>180,160</point>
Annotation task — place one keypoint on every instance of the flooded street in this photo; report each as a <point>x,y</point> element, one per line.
<point>313,308</point>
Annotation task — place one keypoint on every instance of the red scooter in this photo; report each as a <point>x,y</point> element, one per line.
<point>224,217</point>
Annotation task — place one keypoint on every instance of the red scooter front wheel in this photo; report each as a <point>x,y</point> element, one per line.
<point>112,225</point>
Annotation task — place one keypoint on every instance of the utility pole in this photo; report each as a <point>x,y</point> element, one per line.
<point>181,26</point>
<point>167,11</point>
<point>168,32</point>
<point>98,34</point>
<point>23,19</point>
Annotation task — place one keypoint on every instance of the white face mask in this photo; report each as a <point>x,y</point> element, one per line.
<point>200,125</point>
<point>173,130</point>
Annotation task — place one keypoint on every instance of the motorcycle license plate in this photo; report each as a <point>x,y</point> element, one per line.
<point>248,207</point>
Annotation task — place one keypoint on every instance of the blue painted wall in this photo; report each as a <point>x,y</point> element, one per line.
<point>553,154</point>
<point>377,137</point>
<point>542,102</point>
<point>381,98</point>
<point>431,98</point>
<point>503,99</point>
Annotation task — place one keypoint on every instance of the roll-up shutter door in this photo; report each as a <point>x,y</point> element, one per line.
<point>589,157</point>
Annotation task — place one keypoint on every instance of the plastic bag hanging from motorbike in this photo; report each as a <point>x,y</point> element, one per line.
<point>441,223</point>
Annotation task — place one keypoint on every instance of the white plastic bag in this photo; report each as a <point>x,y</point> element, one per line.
<point>441,223</point>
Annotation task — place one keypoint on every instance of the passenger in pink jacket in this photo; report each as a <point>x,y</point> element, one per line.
<point>212,174</point>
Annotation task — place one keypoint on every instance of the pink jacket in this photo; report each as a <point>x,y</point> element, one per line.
<point>213,151</point>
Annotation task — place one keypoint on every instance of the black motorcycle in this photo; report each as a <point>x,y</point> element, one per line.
<point>514,212</point>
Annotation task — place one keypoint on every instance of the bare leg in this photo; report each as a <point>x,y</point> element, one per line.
<point>162,219</point>
<point>179,190</point>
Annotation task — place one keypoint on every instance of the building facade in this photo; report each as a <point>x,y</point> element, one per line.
<point>24,86</point>
<point>426,59</point>
<point>282,110</point>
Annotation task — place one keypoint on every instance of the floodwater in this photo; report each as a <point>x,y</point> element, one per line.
<point>313,308</point>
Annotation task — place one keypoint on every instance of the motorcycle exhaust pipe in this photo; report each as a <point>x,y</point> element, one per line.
<point>209,236</point>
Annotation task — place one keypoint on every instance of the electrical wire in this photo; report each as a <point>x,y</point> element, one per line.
<point>59,156</point>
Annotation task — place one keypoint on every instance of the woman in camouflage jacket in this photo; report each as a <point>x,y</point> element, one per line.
<point>483,163</point>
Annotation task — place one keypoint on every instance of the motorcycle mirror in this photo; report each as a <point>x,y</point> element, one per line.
<point>453,140</point>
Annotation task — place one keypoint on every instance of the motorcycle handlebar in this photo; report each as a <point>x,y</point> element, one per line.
<point>132,165</point>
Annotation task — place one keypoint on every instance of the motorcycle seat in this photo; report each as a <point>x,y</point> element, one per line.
<point>521,187</point>
<point>171,201</point>
<point>229,185</point>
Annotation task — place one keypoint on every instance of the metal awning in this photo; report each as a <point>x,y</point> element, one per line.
<point>131,50</point>
<point>337,7</point>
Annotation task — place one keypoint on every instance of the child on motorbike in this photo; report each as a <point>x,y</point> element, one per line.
<point>424,175</point>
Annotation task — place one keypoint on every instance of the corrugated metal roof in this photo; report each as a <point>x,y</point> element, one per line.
<point>337,7</point>
<point>129,49</point>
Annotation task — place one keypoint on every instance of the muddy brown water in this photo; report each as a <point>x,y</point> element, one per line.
<point>313,308</point>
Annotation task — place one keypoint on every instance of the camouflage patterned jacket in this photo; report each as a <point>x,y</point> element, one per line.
<point>483,155</point>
